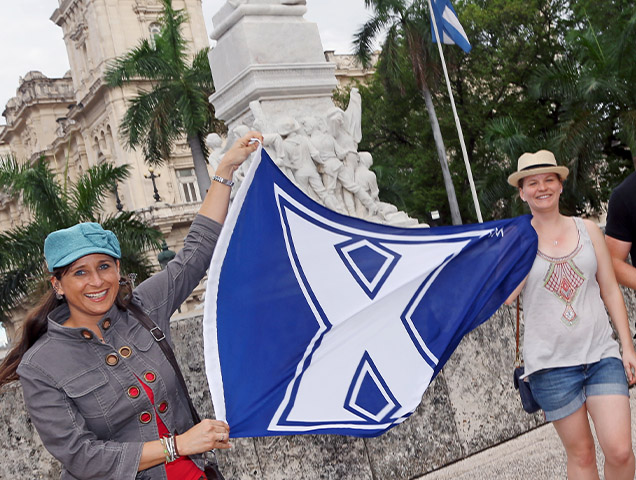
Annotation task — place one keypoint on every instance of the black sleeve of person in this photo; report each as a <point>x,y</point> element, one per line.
<point>621,214</point>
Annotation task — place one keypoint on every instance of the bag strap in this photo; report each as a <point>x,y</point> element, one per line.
<point>517,356</point>
<point>160,338</point>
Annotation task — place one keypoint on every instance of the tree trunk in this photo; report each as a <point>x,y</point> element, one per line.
<point>441,154</point>
<point>200,165</point>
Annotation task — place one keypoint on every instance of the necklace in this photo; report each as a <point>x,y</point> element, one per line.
<point>556,242</point>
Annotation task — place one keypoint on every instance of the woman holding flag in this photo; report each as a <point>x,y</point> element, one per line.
<point>572,361</point>
<point>98,387</point>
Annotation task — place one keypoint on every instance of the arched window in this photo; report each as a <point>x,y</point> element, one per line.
<point>154,29</point>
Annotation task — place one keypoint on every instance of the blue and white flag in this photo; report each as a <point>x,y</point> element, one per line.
<point>450,30</point>
<point>316,322</point>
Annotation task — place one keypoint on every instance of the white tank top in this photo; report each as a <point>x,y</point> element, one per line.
<point>564,316</point>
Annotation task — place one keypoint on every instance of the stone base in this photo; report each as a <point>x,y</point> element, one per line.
<point>273,82</point>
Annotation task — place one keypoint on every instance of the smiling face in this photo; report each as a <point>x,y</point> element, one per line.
<point>90,286</point>
<point>541,191</point>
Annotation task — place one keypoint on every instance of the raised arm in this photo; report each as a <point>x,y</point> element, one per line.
<point>217,199</point>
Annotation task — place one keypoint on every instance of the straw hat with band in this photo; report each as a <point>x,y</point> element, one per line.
<point>542,161</point>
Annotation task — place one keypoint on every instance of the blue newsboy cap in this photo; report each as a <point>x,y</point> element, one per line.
<point>63,247</point>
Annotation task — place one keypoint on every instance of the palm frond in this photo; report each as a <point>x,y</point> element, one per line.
<point>505,135</point>
<point>40,192</point>
<point>200,74</point>
<point>555,81</point>
<point>150,121</point>
<point>21,264</point>
<point>367,34</point>
<point>10,170</point>
<point>170,40</point>
<point>143,61</point>
<point>194,109</point>
<point>391,67</point>
<point>93,185</point>
<point>22,244</point>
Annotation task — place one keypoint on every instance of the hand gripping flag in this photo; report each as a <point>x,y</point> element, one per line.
<point>450,30</point>
<point>320,323</point>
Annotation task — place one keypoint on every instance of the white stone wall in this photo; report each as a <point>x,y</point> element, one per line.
<point>468,408</point>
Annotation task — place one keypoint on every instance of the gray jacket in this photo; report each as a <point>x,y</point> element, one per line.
<point>82,394</point>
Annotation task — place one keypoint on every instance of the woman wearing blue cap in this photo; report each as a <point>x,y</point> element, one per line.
<point>98,388</point>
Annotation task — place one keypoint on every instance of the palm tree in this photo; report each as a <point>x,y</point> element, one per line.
<point>407,24</point>
<point>177,104</point>
<point>596,108</point>
<point>54,206</point>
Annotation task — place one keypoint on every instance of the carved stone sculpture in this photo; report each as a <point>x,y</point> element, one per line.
<point>303,154</point>
<point>281,84</point>
<point>330,155</point>
<point>215,144</point>
<point>367,181</point>
<point>353,116</point>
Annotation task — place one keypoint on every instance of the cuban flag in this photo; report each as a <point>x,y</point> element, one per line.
<point>316,322</point>
<point>450,30</point>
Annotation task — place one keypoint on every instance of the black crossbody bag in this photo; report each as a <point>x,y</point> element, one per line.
<point>211,469</point>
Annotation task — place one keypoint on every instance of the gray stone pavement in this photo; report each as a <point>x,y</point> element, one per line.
<point>536,455</point>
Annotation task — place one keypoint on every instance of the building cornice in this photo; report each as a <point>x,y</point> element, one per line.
<point>59,15</point>
<point>35,90</point>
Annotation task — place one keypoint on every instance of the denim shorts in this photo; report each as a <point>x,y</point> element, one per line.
<point>562,391</point>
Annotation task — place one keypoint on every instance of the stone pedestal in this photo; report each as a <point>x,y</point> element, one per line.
<point>271,75</point>
<point>267,51</point>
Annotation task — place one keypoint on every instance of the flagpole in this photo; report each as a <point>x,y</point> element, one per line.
<point>459,127</point>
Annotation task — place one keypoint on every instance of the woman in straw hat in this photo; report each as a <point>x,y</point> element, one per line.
<point>98,387</point>
<point>572,361</point>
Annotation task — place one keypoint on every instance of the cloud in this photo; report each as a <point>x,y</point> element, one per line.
<point>30,41</point>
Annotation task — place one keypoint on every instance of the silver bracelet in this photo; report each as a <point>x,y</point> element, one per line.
<point>224,181</point>
<point>165,449</point>
<point>169,449</point>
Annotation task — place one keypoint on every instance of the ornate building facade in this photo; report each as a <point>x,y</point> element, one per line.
<point>349,71</point>
<point>73,122</point>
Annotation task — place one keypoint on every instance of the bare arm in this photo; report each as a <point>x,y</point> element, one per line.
<point>613,298</point>
<point>510,300</point>
<point>619,250</point>
<point>217,200</point>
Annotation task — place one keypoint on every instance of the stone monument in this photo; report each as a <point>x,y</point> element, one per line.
<point>271,75</point>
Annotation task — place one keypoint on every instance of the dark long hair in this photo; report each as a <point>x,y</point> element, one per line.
<point>36,324</point>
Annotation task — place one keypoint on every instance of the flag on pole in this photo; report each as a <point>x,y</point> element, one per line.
<point>316,322</point>
<point>450,30</point>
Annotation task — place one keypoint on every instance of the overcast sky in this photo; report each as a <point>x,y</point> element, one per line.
<point>29,40</point>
